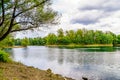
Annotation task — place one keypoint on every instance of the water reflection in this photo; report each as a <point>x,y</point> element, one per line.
<point>74,63</point>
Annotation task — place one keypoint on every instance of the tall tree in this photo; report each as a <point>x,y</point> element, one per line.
<point>51,39</point>
<point>71,35</point>
<point>19,15</point>
<point>79,36</point>
<point>25,42</point>
<point>60,35</point>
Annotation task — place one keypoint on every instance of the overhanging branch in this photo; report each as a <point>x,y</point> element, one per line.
<point>3,13</point>
<point>22,22</point>
<point>32,7</point>
<point>24,29</point>
<point>11,23</point>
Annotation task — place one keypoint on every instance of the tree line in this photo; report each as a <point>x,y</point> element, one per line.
<point>80,36</point>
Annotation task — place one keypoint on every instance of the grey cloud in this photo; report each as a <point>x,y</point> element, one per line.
<point>83,21</point>
<point>106,5</point>
<point>87,17</point>
<point>106,8</point>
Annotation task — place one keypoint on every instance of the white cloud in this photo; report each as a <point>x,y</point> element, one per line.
<point>90,14</point>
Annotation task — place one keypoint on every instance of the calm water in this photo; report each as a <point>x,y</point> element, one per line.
<point>94,63</point>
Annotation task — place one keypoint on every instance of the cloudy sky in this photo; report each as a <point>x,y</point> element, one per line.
<point>90,14</point>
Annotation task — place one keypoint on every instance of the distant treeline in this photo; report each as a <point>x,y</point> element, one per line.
<point>81,36</point>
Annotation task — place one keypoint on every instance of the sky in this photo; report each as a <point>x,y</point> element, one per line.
<point>90,14</point>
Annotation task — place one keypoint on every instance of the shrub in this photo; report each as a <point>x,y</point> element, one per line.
<point>4,57</point>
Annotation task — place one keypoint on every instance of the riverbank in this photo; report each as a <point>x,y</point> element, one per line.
<point>13,46</point>
<point>71,46</point>
<point>18,71</point>
<point>81,46</point>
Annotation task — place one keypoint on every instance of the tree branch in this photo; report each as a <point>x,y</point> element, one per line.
<point>11,23</point>
<point>31,8</point>
<point>3,13</point>
<point>24,29</point>
<point>22,22</point>
<point>3,28</point>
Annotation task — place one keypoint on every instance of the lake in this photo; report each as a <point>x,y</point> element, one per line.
<point>93,63</point>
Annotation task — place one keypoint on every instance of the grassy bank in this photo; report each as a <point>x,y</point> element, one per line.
<point>18,71</point>
<point>117,45</point>
<point>10,70</point>
<point>12,47</point>
<point>81,46</point>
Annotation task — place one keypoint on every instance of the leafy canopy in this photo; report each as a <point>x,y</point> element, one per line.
<point>20,15</point>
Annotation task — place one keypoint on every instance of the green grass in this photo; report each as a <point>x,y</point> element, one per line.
<point>4,57</point>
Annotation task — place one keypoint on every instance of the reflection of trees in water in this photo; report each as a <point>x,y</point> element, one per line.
<point>70,56</point>
<point>83,58</point>
<point>61,56</point>
<point>11,54</point>
<point>51,54</point>
<point>25,52</point>
<point>56,54</point>
<point>73,56</point>
<point>10,51</point>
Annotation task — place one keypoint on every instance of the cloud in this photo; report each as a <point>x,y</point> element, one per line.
<point>104,5</point>
<point>87,17</point>
<point>90,14</point>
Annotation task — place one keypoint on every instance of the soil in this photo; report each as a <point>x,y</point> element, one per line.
<point>18,71</point>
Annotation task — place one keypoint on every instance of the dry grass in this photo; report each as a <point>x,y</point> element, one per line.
<point>81,45</point>
<point>18,71</point>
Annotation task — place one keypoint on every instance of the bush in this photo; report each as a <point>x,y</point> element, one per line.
<point>4,57</point>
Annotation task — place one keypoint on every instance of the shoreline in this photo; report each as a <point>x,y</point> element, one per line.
<point>81,46</point>
<point>18,71</point>
<point>70,46</point>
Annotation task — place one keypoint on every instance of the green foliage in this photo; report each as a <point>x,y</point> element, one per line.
<point>82,36</point>
<point>51,39</point>
<point>118,39</point>
<point>71,36</point>
<point>17,42</point>
<point>79,37</point>
<point>30,41</point>
<point>26,15</point>
<point>4,57</point>
<point>37,41</point>
<point>107,38</point>
<point>60,33</point>
<point>25,42</point>
<point>8,41</point>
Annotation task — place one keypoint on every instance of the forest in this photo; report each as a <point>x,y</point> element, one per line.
<point>78,37</point>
